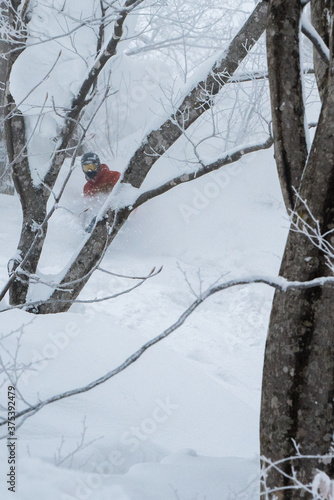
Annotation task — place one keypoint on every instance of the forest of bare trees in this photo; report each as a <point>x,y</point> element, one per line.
<point>298,385</point>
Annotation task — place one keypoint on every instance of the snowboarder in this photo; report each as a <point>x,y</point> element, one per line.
<point>99,178</point>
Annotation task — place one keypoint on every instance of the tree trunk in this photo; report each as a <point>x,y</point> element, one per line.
<point>319,13</point>
<point>298,384</point>
<point>286,94</point>
<point>33,199</point>
<point>30,247</point>
<point>6,183</point>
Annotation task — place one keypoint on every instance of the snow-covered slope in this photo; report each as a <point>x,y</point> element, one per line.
<point>182,422</point>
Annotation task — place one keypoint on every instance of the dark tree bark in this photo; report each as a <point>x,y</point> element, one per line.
<point>6,184</point>
<point>33,199</point>
<point>298,383</point>
<point>319,12</point>
<point>284,80</point>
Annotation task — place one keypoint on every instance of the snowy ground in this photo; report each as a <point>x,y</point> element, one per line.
<point>181,423</point>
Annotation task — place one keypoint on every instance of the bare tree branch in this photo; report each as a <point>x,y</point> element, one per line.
<point>279,283</point>
<point>30,306</point>
<point>311,33</point>
<point>198,100</point>
<point>226,160</point>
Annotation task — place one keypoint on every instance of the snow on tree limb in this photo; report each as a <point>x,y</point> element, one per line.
<point>206,169</point>
<point>30,306</point>
<point>279,283</point>
<point>197,101</point>
<point>323,485</point>
<point>193,106</point>
<point>311,33</point>
<point>321,488</point>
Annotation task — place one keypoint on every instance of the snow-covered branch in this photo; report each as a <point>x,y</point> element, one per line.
<point>197,101</point>
<point>304,222</point>
<point>229,158</point>
<point>311,33</point>
<point>279,283</point>
<point>259,75</point>
<point>30,306</point>
<point>321,488</point>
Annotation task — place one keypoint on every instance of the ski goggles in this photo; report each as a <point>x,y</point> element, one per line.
<point>90,167</point>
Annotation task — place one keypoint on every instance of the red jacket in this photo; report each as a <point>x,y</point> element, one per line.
<point>104,181</point>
